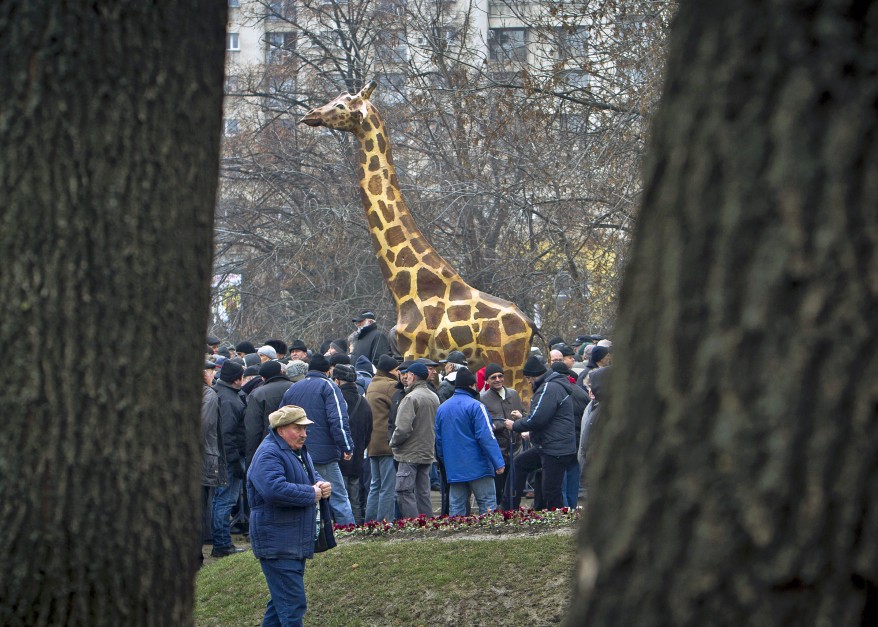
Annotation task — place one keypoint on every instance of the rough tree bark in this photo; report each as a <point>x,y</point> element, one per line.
<point>109,146</point>
<point>735,477</point>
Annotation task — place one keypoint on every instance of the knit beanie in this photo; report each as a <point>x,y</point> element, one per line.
<point>231,371</point>
<point>464,378</point>
<point>597,354</point>
<point>533,367</point>
<point>297,368</point>
<point>270,369</point>
<point>492,369</point>
<point>319,363</point>
<point>245,348</point>
<point>386,363</point>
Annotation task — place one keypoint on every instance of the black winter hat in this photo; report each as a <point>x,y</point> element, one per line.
<point>492,369</point>
<point>251,371</point>
<point>339,358</point>
<point>566,350</point>
<point>597,354</point>
<point>245,348</point>
<point>319,363</point>
<point>270,369</point>
<point>279,346</point>
<point>231,371</point>
<point>298,345</point>
<point>533,367</point>
<point>464,378</point>
<point>556,340</point>
<point>340,345</point>
<point>344,372</point>
<point>386,363</point>
<point>561,367</point>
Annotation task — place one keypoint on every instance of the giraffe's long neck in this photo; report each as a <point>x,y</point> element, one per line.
<point>406,258</point>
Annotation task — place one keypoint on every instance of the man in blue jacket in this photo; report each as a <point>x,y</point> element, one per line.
<point>283,489</point>
<point>330,434</point>
<point>465,442</point>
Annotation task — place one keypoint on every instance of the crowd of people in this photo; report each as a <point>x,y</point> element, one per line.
<point>382,433</point>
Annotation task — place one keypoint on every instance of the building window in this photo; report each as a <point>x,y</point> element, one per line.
<point>279,47</point>
<point>280,10</point>
<point>507,44</point>
<point>233,44</point>
<point>576,79</point>
<point>572,42</point>
<point>231,126</point>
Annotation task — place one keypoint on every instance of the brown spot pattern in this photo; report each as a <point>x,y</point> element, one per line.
<point>456,313</point>
<point>375,185</point>
<point>375,221</point>
<point>513,325</point>
<point>433,315</point>
<point>429,284</point>
<point>483,311</point>
<point>369,145</point>
<point>385,269</point>
<point>390,193</point>
<point>490,335</point>
<point>402,284</point>
<point>462,335</point>
<point>514,354</point>
<point>382,143</point>
<point>406,258</point>
<point>374,164</point>
<point>386,211</point>
<point>422,341</point>
<point>410,315</point>
<point>460,291</point>
<point>394,236</point>
<point>442,338</point>
<point>419,245</point>
<point>366,126</point>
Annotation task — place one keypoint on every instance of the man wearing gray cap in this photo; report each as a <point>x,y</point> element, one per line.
<point>288,508</point>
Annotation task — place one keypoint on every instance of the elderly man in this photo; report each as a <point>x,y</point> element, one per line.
<point>370,340</point>
<point>380,504</point>
<point>466,445</point>
<point>501,402</point>
<point>413,443</point>
<point>284,489</point>
<point>550,424</point>
<point>298,350</point>
<point>331,434</point>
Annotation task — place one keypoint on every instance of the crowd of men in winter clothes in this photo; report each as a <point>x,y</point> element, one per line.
<point>382,431</point>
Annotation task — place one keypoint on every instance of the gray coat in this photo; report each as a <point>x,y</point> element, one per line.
<point>414,439</point>
<point>213,460</point>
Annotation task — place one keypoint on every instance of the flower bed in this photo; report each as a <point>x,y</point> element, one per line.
<point>498,522</point>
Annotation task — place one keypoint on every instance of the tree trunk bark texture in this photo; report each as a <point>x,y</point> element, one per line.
<point>109,145</point>
<point>735,477</point>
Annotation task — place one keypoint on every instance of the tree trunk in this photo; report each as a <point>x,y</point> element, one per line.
<point>734,481</point>
<point>109,143</point>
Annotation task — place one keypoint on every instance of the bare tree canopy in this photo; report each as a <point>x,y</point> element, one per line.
<point>521,168</point>
<point>735,478</point>
<point>109,143</point>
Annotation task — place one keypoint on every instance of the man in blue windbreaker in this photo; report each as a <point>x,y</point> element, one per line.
<point>465,442</point>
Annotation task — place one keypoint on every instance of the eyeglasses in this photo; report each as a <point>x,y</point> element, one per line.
<point>495,377</point>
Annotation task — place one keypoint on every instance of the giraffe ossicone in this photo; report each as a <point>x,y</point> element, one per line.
<point>437,311</point>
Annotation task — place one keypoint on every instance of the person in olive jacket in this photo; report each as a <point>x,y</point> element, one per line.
<point>381,502</point>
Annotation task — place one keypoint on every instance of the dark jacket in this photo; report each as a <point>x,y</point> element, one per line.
<point>330,435</point>
<point>213,460</point>
<point>500,410</point>
<point>580,400</point>
<point>231,404</point>
<point>446,388</point>
<point>283,516</point>
<point>262,401</point>
<point>371,342</point>
<point>550,420</point>
<point>395,400</point>
<point>361,428</point>
<point>379,396</point>
<point>252,385</point>
<point>465,440</point>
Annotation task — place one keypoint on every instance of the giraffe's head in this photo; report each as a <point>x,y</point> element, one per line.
<point>345,113</point>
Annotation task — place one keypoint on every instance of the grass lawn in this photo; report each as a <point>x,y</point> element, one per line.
<point>506,580</point>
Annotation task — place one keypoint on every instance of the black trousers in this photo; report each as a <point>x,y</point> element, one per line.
<point>553,466</point>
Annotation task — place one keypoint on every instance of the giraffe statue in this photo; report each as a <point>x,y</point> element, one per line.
<point>437,311</point>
